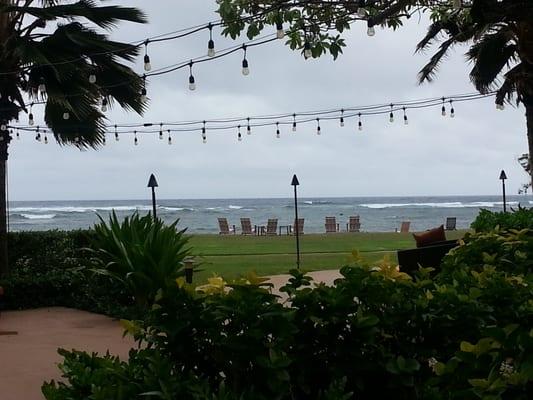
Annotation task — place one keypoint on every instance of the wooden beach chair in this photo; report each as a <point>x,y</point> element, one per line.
<point>451,223</point>
<point>331,225</point>
<point>224,227</point>
<point>292,228</point>
<point>246,227</point>
<point>405,227</point>
<point>272,227</point>
<point>354,224</point>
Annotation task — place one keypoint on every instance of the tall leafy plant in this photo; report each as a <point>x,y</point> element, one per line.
<point>142,253</point>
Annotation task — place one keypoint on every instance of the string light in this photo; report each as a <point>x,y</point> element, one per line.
<point>360,123</point>
<point>405,120</point>
<point>443,108</point>
<point>3,126</point>
<point>160,131</point>
<point>147,64</point>
<point>104,140</point>
<point>500,106</point>
<point>192,83</point>
<point>342,118</point>
<point>248,127</point>
<point>38,135</point>
<point>280,33</point>
<point>92,78</point>
<point>42,87</point>
<point>239,136</point>
<point>135,140</point>
<point>294,122</point>
<point>116,134</point>
<point>318,126</point>
<point>361,11</point>
<point>31,121</point>
<point>371,31</point>
<point>45,138</point>
<point>169,138</point>
<point>391,115</point>
<point>143,89</point>
<point>452,110</point>
<point>18,134</point>
<point>307,50</point>
<point>66,115</point>
<point>277,130</point>
<point>204,135</point>
<point>210,43</point>
<point>104,104</point>
<point>245,68</point>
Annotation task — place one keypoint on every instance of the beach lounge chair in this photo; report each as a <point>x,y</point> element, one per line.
<point>292,228</point>
<point>272,226</point>
<point>451,223</point>
<point>354,224</point>
<point>224,227</point>
<point>331,225</point>
<point>405,227</point>
<point>246,227</point>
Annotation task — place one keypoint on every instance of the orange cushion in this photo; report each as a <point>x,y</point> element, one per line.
<point>429,237</point>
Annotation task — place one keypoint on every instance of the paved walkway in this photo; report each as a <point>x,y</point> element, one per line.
<point>30,357</point>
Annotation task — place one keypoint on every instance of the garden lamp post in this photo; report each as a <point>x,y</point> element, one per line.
<point>503,177</point>
<point>152,183</point>
<point>295,183</point>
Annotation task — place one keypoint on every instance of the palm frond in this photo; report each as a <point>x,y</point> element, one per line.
<point>105,17</point>
<point>428,72</point>
<point>490,55</point>
<point>433,31</point>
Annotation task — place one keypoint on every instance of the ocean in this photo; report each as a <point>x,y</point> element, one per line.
<point>378,214</point>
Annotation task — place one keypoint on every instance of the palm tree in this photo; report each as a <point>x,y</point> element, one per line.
<point>500,34</point>
<point>57,53</point>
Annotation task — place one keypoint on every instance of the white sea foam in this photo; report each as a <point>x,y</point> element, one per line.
<point>79,209</point>
<point>36,216</point>
<point>456,204</point>
<point>235,207</point>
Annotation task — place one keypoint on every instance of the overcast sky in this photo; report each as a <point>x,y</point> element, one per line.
<point>431,156</point>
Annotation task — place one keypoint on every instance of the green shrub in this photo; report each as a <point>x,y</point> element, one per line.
<point>463,333</point>
<point>142,253</point>
<point>521,218</point>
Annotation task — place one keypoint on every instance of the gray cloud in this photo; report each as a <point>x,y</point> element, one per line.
<point>431,156</point>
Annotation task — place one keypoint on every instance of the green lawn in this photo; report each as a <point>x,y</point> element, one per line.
<point>233,255</point>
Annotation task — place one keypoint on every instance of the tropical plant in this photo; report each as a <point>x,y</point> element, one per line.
<point>142,253</point>
<point>54,53</point>
<point>498,32</point>
<point>520,218</point>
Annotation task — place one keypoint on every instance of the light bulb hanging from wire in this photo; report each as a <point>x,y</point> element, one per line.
<point>92,78</point>
<point>3,126</point>
<point>371,31</point>
<point>18,134</point>
<point>38,134</point>
<point>42,87</point>
<point>135,140</point>
<point>245,66</point>
<point>307,50</point>
<point>280,33</point>
<point>116,134</point>
<point>341,120</point>
<point>160,131</point>
<point>391,115</point>
<point>104,104</point>
<point>147,64</point>
<point>405,120</point>
<point>211,42</point>
<point>239,136</point>
<point>169,138</point>
<point>143,90</point>
<point>192,82</point>
<point>361,11</point>
<point>360,123</point>
<point>204,135</point>
<point>66,115</point>
<point>278,135</point>
<point>443,108</point>
<point>104,141</point>
<point>248,127</point>
<point>318,130</point>
<point>452,110</point>
<point>294,122</point>
<point>31,121</point>
<point>500,106</point>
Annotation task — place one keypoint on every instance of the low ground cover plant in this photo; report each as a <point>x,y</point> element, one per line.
<point>463,332</point>
<point>520,218</point>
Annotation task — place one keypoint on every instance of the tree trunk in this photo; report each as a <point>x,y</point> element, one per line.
<point>529,119</point>
<point>4,143</point>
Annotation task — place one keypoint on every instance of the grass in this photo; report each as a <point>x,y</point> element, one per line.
<point>234,255</point>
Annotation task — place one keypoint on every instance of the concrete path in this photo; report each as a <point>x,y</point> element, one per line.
<point>30,357</point>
